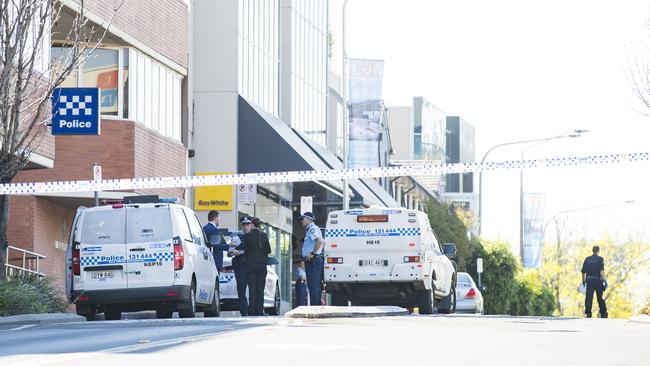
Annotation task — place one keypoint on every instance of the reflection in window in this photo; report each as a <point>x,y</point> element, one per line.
<point>101,70</point>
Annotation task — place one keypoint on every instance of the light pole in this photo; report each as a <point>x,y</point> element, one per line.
<point>573,134</point>
<point>480,174</point>
<point>346,198</point>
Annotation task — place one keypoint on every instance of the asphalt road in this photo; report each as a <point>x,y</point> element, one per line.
<point>406,340</point>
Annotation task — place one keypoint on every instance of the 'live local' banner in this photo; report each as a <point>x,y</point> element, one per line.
<point>364,112</point>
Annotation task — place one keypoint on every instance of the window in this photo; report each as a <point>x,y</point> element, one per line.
<point>183,228</point>
<point>103,227</point>
<point>101,70</point>
<point>196,229</point>
<point>148,225</point>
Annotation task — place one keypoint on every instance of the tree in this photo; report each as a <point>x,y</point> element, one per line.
<point>638,74</point>
<point>450,228</point>
<point>27,80</point>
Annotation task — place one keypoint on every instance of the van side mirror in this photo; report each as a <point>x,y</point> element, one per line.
<point>272,261</point>
<point>450,250</point>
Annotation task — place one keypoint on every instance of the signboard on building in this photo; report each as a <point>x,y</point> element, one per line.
<point>365,111</point>
<point>533,240</point>
<point>213,197</point>
<point>247,194</point>
<point>75,111</point>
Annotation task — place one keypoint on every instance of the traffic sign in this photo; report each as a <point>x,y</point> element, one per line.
<point>479,265</point>
<point>247,194</point>
<point>306,204</point>
<point>75,111</point>
<point>97,173</point>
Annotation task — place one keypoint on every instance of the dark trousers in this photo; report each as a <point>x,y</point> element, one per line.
<point>314,270</point>
<point>301,293</point>
<point>241,277</point>
<point>596,285</point>
<point>256,281</point>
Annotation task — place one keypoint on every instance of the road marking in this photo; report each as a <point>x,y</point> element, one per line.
<point>21,327</point>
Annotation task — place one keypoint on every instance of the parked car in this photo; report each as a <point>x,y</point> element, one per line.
<point>145,256</point>
<point>382,256</point>
<point>228,288</point>
<point>470,299</point>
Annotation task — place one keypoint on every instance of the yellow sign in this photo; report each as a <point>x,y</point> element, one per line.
<point>213,197</point>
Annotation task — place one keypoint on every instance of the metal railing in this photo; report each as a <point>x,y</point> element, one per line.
<point>30,262</point>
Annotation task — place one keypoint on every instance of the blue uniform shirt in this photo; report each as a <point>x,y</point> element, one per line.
<point>312,232</point>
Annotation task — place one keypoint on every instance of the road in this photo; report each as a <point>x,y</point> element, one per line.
<point>407,340</point>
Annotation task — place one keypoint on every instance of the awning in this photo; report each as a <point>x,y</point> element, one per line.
<point>284,149</point>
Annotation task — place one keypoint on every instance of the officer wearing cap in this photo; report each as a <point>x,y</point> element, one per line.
<point>593,276</point>
<point>312,251</point>
<point>257,249</point>
<point>239,266</point>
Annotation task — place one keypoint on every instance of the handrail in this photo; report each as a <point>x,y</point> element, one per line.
<point>27,262</point>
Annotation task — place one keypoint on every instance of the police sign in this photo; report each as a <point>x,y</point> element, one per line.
<point>75,111</point>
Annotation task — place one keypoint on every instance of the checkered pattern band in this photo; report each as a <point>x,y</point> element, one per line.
<point>99,259</point>
<point>340,233</point>
<point>74,106</point>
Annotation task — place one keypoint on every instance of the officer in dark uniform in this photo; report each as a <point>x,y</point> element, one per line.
<point>239,266</point>
<point>593,276</point>
<point>256,251</point>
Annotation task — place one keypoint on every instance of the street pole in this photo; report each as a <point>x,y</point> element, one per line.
<point>95,179</point>
<point>346,198</point>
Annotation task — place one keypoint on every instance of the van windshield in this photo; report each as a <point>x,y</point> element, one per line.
<point>148,224</point>
<point>103,227</point>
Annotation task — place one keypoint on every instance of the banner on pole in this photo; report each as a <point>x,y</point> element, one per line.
<point>533,236</point>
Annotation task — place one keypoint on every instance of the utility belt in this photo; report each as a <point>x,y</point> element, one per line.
<point>593,277</point>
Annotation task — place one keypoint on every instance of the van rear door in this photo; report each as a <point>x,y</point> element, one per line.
<point>150,247</point>
<point>102,249</point>
<point>72,242</point>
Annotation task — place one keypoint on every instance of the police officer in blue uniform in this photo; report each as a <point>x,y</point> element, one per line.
<point>211,229</point>
<point>240,268</point>
<point>593,275</point>
<point>312,251</point>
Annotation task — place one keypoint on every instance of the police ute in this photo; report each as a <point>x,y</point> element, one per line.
<point>383,256</point>
<point>140,256</point>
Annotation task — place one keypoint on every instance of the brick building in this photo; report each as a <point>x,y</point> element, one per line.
<point>141,68</point>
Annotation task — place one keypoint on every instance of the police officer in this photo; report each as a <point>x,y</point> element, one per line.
<point>593,275</point>
<point>256,251</point>
<point>312,251</point>
<point>239,266</point>
<point>211,229</point>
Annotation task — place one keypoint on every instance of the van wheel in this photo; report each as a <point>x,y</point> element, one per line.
<point>275,310</point>
<point>88,312</point>
<point>339,299</point>
<point>425,301</point>
<point>164,313</point>
<point>112,313</point>
<point>214,310</point>
<point>190,311</point>
<point>448,303</point>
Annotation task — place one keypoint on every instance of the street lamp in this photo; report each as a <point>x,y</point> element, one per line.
<point>572,134</point>
<point>480,174</point>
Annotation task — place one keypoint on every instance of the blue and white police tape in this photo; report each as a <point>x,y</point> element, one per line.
<point>312,175</point>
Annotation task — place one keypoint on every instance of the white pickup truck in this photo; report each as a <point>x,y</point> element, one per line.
<point>384,256</point>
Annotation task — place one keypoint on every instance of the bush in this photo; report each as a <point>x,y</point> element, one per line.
<point>450,229</point>
<point>532,297</point>
<point>29,295</point>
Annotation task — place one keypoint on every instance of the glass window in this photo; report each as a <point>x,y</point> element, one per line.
<point>181,221</point>
<point>148,224</point>
<point>464,279</point>
<point>155,97</point>
<point>103,227</point>
<point>125,83</point>
<point>195,228</point>
<point>60,59</point>
<point>101,70</point>
<point>140,88</point>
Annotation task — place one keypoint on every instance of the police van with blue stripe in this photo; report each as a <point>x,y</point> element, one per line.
<point>140,255</point>
<point>381,256</point>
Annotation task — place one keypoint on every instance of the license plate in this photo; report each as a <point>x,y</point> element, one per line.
<point>101,275</point>
<point>374,262</point>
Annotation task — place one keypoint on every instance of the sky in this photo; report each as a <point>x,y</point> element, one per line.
<point>520,70</point>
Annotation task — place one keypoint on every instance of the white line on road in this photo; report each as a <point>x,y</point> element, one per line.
<point>21,327</point>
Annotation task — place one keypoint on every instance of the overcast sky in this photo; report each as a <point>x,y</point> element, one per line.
<point>520,70</point>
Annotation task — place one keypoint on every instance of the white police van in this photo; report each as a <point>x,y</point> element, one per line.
<point>384,256</point>
<point>142,256</point>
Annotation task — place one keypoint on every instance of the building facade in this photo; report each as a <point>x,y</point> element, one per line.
<point>460,188</point>
<point>142,80</point>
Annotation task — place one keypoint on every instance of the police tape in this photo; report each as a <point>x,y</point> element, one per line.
<point>311,175</point>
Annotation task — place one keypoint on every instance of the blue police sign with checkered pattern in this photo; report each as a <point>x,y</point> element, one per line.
<point>75,111</point>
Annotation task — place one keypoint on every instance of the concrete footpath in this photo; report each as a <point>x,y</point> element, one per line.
<point>27,319</point>
<point>645,319</point>
<point>323,312</point>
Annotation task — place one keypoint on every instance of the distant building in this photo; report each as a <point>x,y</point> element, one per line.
<point>459,188</point>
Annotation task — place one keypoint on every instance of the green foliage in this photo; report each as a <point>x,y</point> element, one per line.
<point>532,296</point>
<point>29,295</point>
<point>450,228</point>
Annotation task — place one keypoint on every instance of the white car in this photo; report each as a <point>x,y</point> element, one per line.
<point>228,288</point>
<point>469,296</point>
<point>145,256</point>
<point>384,256</point>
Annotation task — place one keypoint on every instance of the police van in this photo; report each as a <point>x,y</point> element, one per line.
<point>140,256</point>
<point>382,256</point>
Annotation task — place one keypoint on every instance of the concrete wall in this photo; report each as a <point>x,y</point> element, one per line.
<point>215,96</point>
<point>400,122</point>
